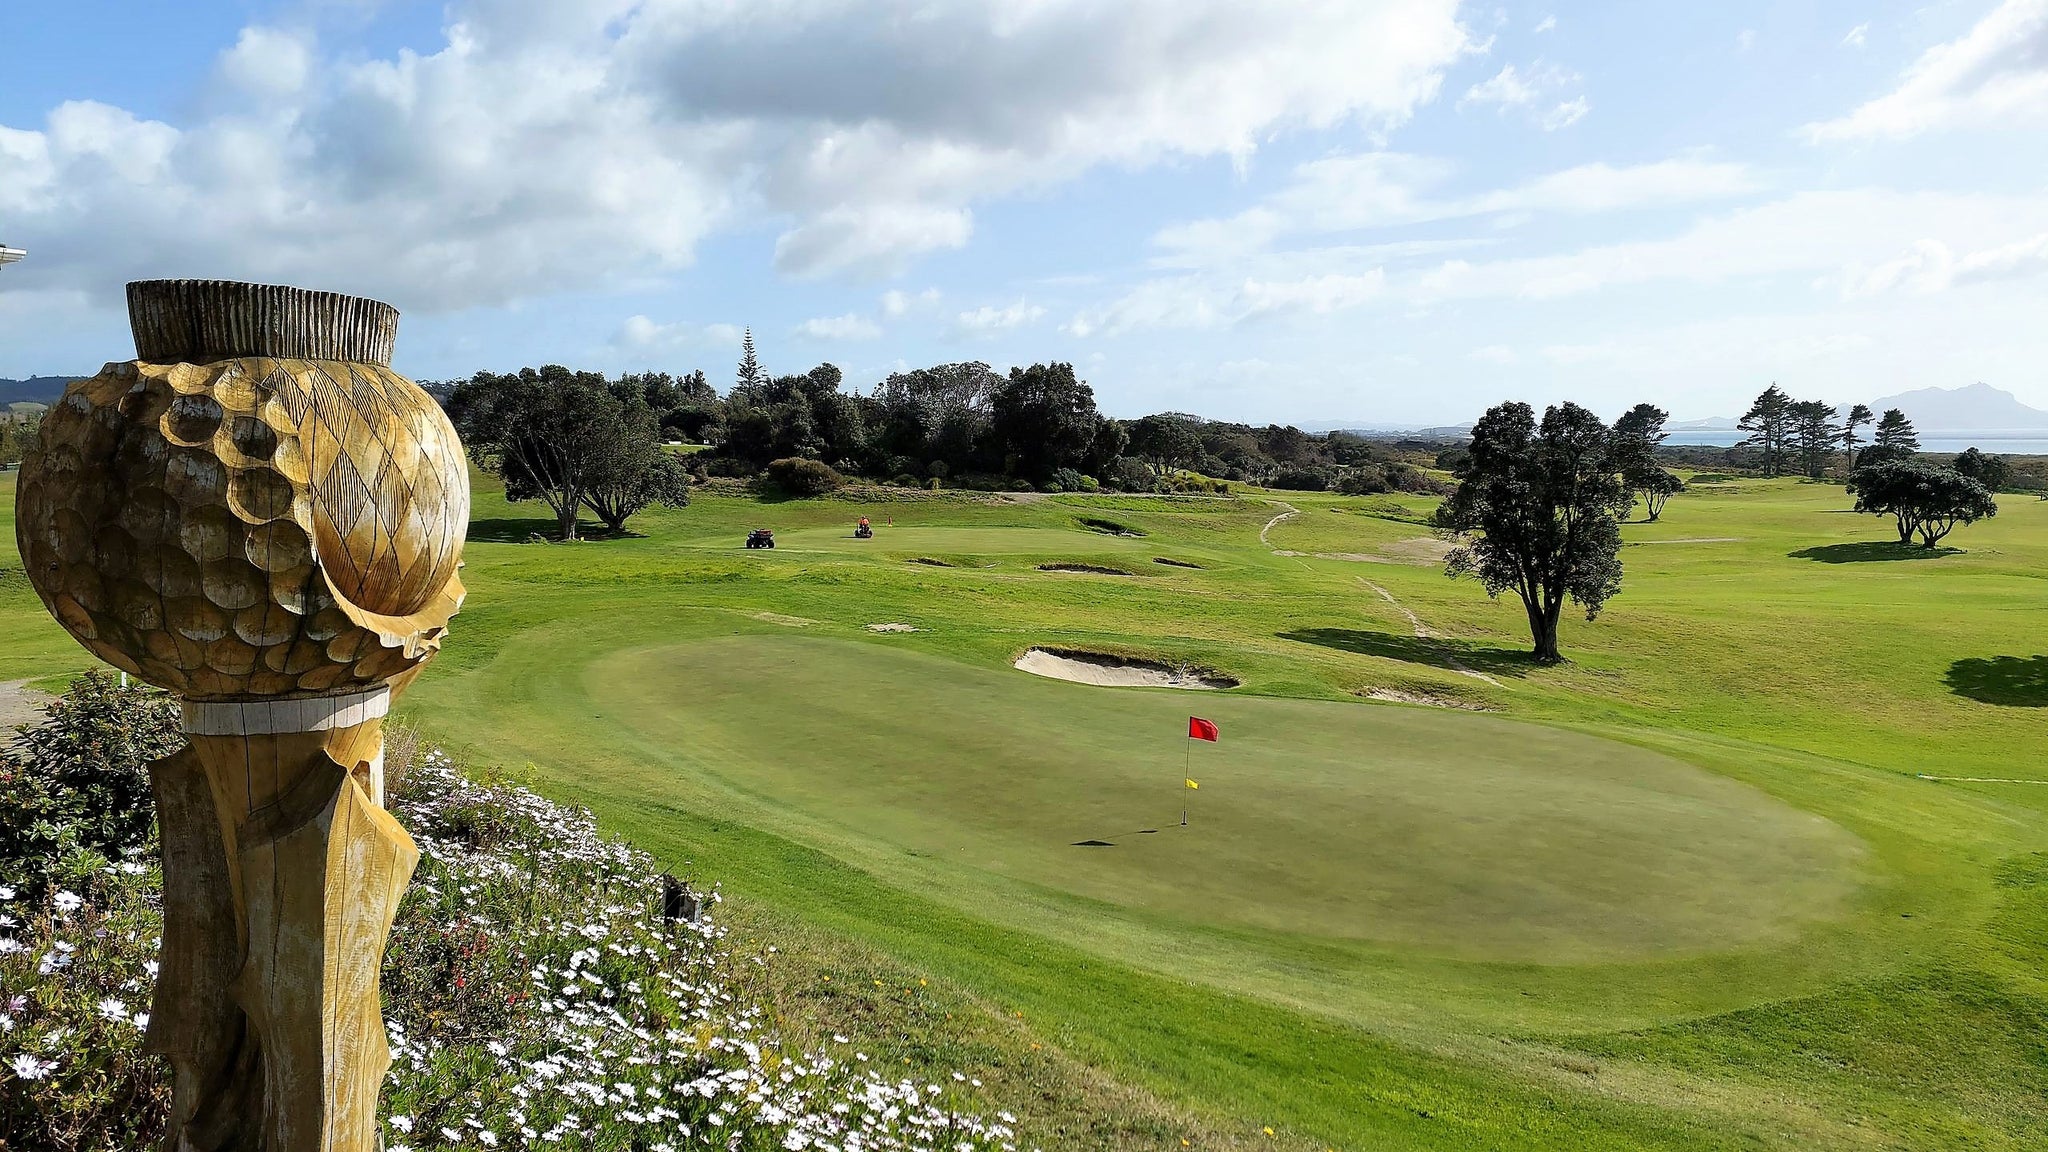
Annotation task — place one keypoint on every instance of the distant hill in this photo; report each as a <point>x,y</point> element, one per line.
<point>36,389</point>
<point>1975,408</point>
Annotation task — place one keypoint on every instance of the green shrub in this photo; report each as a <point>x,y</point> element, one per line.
<point>800,477</point>
<point>1364,480</point>
<point>1297,479</point>
<point>79,779</point>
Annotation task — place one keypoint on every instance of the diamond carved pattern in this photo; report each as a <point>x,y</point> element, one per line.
<point>251,526</point>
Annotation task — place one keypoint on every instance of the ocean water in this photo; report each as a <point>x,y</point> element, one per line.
<point>2003,443</point>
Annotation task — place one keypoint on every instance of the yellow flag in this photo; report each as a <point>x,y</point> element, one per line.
<point>1192,784</point>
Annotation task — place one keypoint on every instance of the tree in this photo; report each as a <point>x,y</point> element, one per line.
<point>1632,453</point>
<point>750,374</point>
<point>1633,444</point>
<point>1537,511</point>
<point>556,435</point>
<point>636,470</point>
<point>1042,418</point>
<point>1767,422</point>
<point>1656,488</point>
<point>1168,439</point>
<point>1993,472</point>
<point>1924,500</point>
<point>1859,415</point>
<point>1895,431</point>
<point>1812,435</point>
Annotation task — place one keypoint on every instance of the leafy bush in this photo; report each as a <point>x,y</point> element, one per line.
<point>1364,480</point>
<point>1065,480</point>
<point>800,477</point>
<point>79,780</point>
<point>1128,475</point>
<point>1301,479</point>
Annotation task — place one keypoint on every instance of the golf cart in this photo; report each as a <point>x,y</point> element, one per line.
<point>863,530</point>
<point>761,538</point>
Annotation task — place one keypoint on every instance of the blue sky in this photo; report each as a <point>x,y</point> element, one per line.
<point>1389,211</point>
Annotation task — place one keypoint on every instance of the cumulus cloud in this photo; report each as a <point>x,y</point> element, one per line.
<point>1997,72</point>
<point>641,335</point>
<point>851,326</point>
<point>1535,90</point>
<point>554,144</point>
<point>988,318</point>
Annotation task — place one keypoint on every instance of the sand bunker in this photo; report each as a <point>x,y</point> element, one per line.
<point>1091,569</point>
<point>1397,696</point>
<point>785,621</point>
<point>1105,670</point>
<point>893,627</point>
<point>1172,563</point>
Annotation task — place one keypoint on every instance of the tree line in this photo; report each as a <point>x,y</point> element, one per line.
<point>582,442</point>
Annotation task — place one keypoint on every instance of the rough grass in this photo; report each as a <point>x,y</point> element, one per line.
<point>1910,1016</point>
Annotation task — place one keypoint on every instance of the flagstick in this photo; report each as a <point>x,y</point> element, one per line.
<point>1187,766</point>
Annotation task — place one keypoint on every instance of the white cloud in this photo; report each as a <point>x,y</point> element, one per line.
<point>1386,189</point>
<point>988,318</point>
<point>851,326</point>
<point>1547,24</point>
<point>1566,114</point>
<point>897,303</point>
<point>1933,266</point>
<point>1809,243</point>
<point>546,146</point>
<point>1995,73</point>
<point>1857,37</point>
<point>640,335</point>
<point>1745,40</point>
<point>1535,90</point>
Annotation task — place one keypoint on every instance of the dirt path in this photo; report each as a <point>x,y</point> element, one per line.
<point>1291,512</point>
<point>1422,632</point>
<point>19,704</point>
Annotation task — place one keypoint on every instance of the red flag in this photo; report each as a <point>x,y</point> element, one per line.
<point>1200,729</point>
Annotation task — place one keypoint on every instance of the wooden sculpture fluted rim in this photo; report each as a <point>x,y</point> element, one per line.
<point>201,321</point>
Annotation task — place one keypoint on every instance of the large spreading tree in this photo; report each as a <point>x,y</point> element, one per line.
<point>1537,511</point>
<point>567,439</point>
<point>1924,500</point>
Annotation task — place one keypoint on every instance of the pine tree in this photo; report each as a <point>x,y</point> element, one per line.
<point>750,374</point>
<point>1859,415</point>
<point>1767,422</point>
<point>1813,435</point>
<point>1895,431</point>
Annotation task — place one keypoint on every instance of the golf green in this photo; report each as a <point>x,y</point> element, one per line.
<point>1455,834</point>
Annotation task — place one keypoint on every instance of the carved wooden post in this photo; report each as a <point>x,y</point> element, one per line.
<point>259,515</point>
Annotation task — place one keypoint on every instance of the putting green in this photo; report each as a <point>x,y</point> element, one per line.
<point>1451,834</point>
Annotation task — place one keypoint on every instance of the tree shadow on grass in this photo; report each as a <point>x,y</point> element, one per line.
<point>2014,681</point>
<point>1870,550</point>
<point>521,529</point>
<point>1430,650</point>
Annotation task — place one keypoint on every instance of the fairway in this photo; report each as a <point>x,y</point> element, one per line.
<point>1458,835</point>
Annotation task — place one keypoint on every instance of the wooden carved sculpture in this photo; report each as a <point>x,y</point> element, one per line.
<point>260,516</point>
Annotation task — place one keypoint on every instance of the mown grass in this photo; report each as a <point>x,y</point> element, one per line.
<point>634,675</point>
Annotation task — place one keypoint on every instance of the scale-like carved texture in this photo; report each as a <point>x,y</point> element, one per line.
<point>248,527</point>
